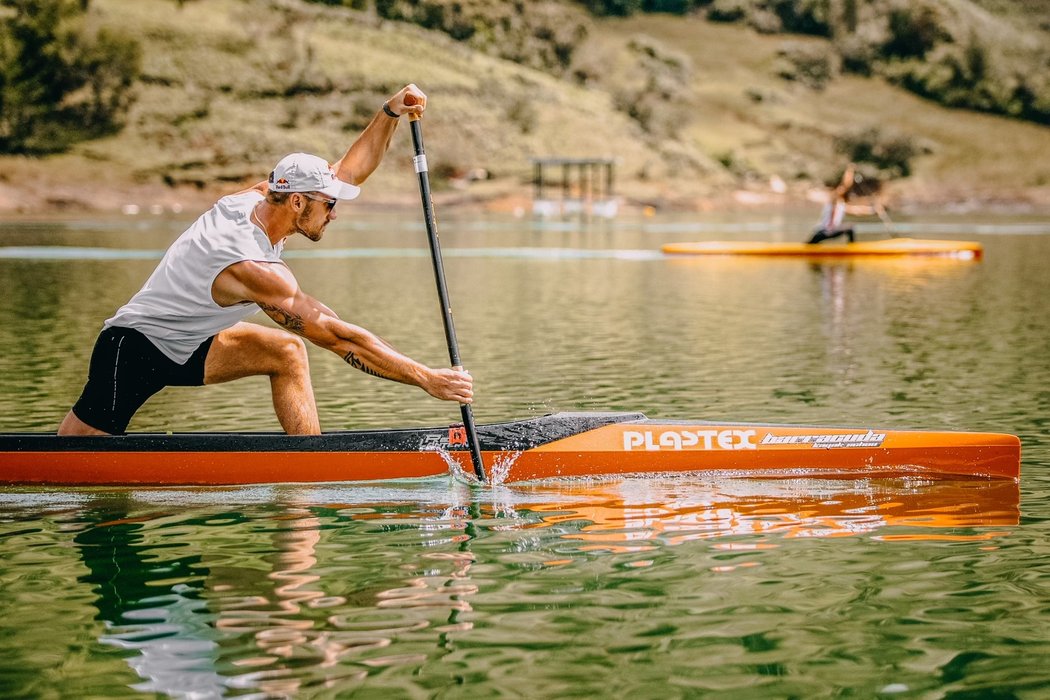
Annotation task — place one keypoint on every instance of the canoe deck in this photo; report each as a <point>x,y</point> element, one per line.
<point>561,445</point>
<point>966,250</point>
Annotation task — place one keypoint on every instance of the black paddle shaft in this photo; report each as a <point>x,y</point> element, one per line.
<point>420,162</point>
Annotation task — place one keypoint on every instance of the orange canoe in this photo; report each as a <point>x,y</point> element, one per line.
<point>964,250</point>
<point>553,446</point>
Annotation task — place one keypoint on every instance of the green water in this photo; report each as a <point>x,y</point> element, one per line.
<point>640,587</point>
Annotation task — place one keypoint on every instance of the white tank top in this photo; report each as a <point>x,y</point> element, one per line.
<point>175,309</point>
<point>832,215</point>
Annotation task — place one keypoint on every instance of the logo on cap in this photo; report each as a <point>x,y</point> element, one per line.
<point>302,172</point>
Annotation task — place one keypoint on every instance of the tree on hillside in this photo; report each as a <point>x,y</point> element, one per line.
<point>60,82</point>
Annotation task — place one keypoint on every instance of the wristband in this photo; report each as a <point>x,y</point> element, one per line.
<point>389,112</point>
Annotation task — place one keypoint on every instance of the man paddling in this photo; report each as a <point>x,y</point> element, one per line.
<point>184,327</point>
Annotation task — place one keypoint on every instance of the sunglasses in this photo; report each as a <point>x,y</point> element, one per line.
<point>328,203</point>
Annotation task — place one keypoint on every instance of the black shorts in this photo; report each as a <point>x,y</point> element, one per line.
<point>825,234</point>
<point>126,369</point>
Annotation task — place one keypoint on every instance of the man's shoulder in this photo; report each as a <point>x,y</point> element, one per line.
<point>245,199</point>
<point>233,211</point>
<point>227,233</point>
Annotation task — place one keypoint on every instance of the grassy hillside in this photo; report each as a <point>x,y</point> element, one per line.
<point>231,85</point>
<point>761,125</point>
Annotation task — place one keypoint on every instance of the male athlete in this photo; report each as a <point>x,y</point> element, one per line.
<point>184,327</point>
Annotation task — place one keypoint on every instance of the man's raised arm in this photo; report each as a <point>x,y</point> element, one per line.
<point>367,151</point>
<point>365,154</point>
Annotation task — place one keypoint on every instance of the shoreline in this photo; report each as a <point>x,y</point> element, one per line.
<point>68,200</point>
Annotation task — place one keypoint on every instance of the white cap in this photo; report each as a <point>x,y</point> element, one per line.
<point>302,172</point>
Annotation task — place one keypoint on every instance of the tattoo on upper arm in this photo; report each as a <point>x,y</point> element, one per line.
<point>357,363</point>
<point>285,319</point>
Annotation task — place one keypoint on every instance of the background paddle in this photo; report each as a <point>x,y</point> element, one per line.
<point>420,162</point>
<point>886,220</point>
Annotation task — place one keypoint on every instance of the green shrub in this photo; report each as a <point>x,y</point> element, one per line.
<point>803,16</point>
<point>1028,98</point>
<point>913,31</point>
<point>728,10</point>
<point>522,112</point>
<point>621,8</point>
<point>858,56</point>
<point>624,8</point>
<point>774,16</point>
<point>674,7</point>
<point>60,83</point>
<point>850,15</point>
<point>651,95</point>
<point>812,65</point>
<point>891,153</point>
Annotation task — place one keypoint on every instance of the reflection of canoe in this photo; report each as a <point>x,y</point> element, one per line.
<point>669,513</point>
<point>557,445</point>
<point>965,250</point>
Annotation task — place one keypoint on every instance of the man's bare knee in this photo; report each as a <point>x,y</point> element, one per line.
<point>291,354</point>
<point>248,350</point>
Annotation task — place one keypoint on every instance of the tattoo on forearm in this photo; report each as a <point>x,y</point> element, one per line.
<point>357,363</point>
<point>285,319</point>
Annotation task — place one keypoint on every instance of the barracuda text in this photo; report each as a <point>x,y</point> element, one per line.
<point>868,439</point>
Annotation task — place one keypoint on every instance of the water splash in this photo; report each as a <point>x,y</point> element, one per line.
<point>496,473</point>
<point>456,469</point>
<point>499,470</point>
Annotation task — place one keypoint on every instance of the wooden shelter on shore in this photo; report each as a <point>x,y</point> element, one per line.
<point>574,187</point>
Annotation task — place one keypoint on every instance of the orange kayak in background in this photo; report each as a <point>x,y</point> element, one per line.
<point>561,445</point>
<point>963,250</point>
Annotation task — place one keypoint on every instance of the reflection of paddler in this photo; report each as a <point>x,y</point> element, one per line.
<point>838,205</point>
<point>149,598</point>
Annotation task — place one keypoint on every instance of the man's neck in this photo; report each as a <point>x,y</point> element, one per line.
<point>276,222</point>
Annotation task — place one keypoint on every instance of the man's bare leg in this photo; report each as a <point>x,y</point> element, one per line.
<point>71,425</point>
<point>248,350</point>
